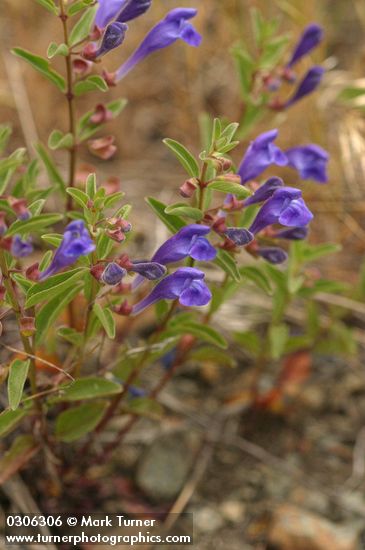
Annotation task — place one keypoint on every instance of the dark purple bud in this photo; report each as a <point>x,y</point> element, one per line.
<point>311,37</point>
<point>261,153</point>
<point>310,82</point>
<point>239,235</point>
<point>265,191</point>
<point>132,9</point>
<point>20,208</point>
<point>134,391</point>
<point>149,270</point>
<point>21,248</point>
<point>273,254</point>
<point>293,234</point>
<point>310,161</point>
<point>113,274</point>
<point>113,37</point>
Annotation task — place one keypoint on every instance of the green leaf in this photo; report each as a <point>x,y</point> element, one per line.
<point>278,337</point>
<point>57,49</point>
<point>90,388</point>
<point>245,67</point>
<point>230,187</point>
<point>18,373</point>
<point>110,200</point>
<point>256,276</point>
<point>33,224</point>
<point>273,52</point>
<point>184,156</point>
<point>41,65</point>
<point>5,133</point>
<point>144,406</point>
<point>106,318</point>
<point>70,335</point>
<point>24,283</point>
<point>53,286</point>
<point>21,451</point>
<point>50,312</point>
<point>181,209</point>
<point>213,355</point>
<point>226,262</point>
<point>54,239</point>
<point>79,196</point>
<point>90,186</point>
<point>172,222</point>
<point>36,207</point>
<point>52,171</point>
<point>59,140</point>
<point>83,27</point>
<point>78,421</point>
<point>78,6</point>
<point>90,84</point>
<point>10,419</point>
<point>203,332</point>
<point>250,340</point>
<point>8,167</point>
<point>49,5</point>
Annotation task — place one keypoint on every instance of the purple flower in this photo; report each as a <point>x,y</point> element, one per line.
<point>310,161</point>
<point>76,242</point>
<point>310,82</point>
<point>186,284</point>
<point>260,154</point>
<point>174,26</point>
<point>239,235</point>
<point>120,10</point>
<point>265,191</point>
<point>273,254</point>
<point>113,37</point>
<point>149,270</point>
<point>293,234</point>
<point>286,207</point>
<point>189,241</point>
<point>311,37</point>
<point>113,274</point>
<point>21,248</point>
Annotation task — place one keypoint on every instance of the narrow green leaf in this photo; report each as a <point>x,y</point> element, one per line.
<point>203,332</point>
<point>184,156</point>
<point>57,49</point>
<point>173,223</point>
<point>41,65</point>
<point>90,186</point>
<point>213,355</point>
<point>10,419</point>
<point>83,27</point>
<point>90,84</point>
<point>182,209</point>
<point>53,286</point>
<point>90,388</point>
<point>5,133</point>
<point>106,318</point>
<point>49,5</point>
<point>59,140</point>
<point>78,421</point>
<point>33,224</point>
<point>256,276</point>
<point>23,448</point>
<point>50,312</point>
<point>278,337</point>
<point>226,262</point>
<point>79,196</point>
<point>144,406</point>
<point>52,170</point>
<point>18,373</point>
<point>236,189</point>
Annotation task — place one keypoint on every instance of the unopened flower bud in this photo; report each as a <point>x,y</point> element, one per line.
<point>89,51</point>
<point>81,67</point>
<point>219,225</point>
<point>20,248</point>
<point>288,75</point>
<point>113,274</point>
<point>273,254</point>
<point>113,37</point>
<point>103,148</point>
<point>32,272</point>
<point>125,262</point>
<point>20,208</point>
<point>232,178</point>
<point>101,114</point>
<point>110,78</point>
<point>188,188</point>
<point>96,271</point>
<point>3,226</point>
<point>149,270</point>
<point>239,235</point>
<point>116,234</point>
<point>124,309</point>
<point>27,326</point>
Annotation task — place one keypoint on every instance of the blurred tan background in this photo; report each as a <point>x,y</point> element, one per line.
<point>169,91</point>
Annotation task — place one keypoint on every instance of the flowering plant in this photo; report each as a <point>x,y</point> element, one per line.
<point>234,221</point>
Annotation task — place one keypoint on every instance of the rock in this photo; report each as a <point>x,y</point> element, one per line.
<point>293,528</point>
<point>207,520</point>
<point>164,467</point>
<point>233,511</point>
